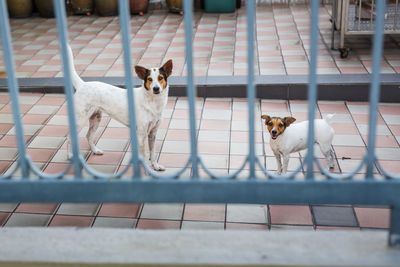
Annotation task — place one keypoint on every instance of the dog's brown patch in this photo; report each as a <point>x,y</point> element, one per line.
<point>148,82</point>
<point>141,72</point>
<point>278,124</point>
<point>162,81</point>
<point>167,68</point>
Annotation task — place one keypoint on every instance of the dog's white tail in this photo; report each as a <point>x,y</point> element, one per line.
<point>329,117</point>
<point>76,80</point>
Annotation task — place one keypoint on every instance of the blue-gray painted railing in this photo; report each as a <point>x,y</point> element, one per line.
<point>336,189</point>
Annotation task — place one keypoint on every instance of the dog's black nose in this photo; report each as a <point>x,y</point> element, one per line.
<point>156,89</point>
<point>273,132</point>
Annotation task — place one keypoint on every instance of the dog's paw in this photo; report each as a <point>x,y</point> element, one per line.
<point>97,151</point>
<point>157,167</point>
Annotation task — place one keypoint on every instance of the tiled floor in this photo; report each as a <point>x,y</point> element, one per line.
<point>220,46</point>
<point>195,216</point>
<point>282,41</point>
<point>222,136</point>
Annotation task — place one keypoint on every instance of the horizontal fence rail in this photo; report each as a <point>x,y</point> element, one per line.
<point>28,184</point>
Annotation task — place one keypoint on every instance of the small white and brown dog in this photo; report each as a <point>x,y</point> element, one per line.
<point>94,98</point>
<point>286,140</point>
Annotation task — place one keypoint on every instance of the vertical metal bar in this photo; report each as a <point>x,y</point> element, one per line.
<point>250,9</point>
<point>394,232</point>
<point>312,88</point>
<point>396,11</point>
<point>123,6</point>
<point>371,18</point>
<point>68,89</point>
<point>375,86</point>
<point>188,9</point>
<point>334,21</point>
<point>343,24</point>
<point>13,88</point>
<point>359,15</point>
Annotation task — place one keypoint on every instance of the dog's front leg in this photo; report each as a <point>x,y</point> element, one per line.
<point>142,149</point>
<point>285,163</point>
<point>69,148</point>
<point>153,160</point>
<point>279,163</point>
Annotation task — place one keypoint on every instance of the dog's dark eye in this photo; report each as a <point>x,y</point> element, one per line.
<point>150,79</point>
<point>160,78</point>
<point>280,125</point>
<point>269,123</point>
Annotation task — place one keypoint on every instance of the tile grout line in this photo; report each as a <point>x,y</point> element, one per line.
<point>359,132</point>
<point>277,35</point>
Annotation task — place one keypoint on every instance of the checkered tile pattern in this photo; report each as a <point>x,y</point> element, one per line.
<point>219,45</point>
<point>223,145</point>
<point>195,216</point>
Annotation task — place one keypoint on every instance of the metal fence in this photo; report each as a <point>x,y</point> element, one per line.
<point>358,18</point>
<point>99,187</point>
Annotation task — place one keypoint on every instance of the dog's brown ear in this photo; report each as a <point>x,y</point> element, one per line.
<point>167,67</point>
<point>289,120</point>
<point>141,72</point>
<point>266,118</point>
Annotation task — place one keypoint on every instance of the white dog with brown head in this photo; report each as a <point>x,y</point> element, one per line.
<point>288,137</point>
<point>94,98</point>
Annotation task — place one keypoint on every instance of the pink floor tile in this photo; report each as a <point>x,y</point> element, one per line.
<point>157,224</point>
<point>353,70</point>
<point>41,155</point>
<point>4,165</point>
<point>4,99</point>
<point>344,128</point>
<point>5,127</point>
<point>55,168</point>
<point>215,125</point>
<point>383,141</point>
<point>4,217</point>
<point>204,212</point>
<point>246,226</point>
<point>333,108</point>
<point>285,214</point>
<point>373,217</point>
<point>389,109</point>
<point>51,100</point>
<point>364,119</point>
<point>23,108</point>
<point>303,116</point>
<point>54,130</point>
<point>41,208</point>
<point>118,133</point>
<point>35,118</point>
<point>122,210</point>
<point>44,74</point>
<point>108,158</point>
<point>275,107</point>
<point>72,221</point>
<point>11,140</point>
<point>345,152</point>
<point>218,105</point>
<point>390,166</point>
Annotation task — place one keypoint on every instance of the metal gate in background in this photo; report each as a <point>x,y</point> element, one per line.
<point>99,187</point>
